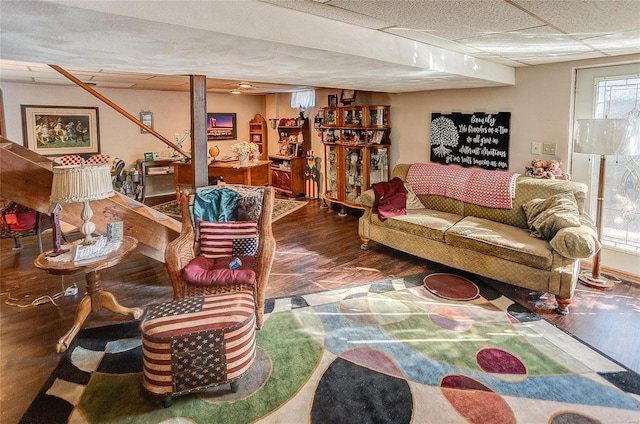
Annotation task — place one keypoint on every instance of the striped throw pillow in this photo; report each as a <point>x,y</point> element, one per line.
<point>231,238</point>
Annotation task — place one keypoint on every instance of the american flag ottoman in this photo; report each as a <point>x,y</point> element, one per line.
<point>197,342</point>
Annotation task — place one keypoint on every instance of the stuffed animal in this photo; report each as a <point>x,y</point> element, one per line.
<point>540,173</point>
<point>555,171</point>
<point>539,163</point>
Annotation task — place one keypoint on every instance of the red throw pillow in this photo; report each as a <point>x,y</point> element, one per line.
<point>203,271</point>
<point>232,238</point>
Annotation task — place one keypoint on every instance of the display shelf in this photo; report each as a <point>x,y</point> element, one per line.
<point>258,134</point>
<point>156,178</point>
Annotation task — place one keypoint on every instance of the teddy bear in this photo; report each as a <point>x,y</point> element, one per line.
<point>555,171</point>
<point>539,163</point>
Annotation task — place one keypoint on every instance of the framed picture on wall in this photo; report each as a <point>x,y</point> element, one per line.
<point>146,117</point>
<point>221,126</point>
<point>60,130</point>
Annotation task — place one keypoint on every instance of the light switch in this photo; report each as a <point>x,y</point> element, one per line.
<point>536,148</point>
<point>549,149</point>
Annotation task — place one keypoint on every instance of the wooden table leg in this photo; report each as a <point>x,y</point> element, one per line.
<point>83,311</point>
<point>94,299</point>
<point>108,301</point>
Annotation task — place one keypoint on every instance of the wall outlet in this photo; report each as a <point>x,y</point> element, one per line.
<point>536,148</point>
<point>549,149</point>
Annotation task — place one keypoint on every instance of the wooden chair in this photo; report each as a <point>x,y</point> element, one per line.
<point>187,247</point>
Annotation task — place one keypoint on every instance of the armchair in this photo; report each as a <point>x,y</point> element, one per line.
<point>196,269</point>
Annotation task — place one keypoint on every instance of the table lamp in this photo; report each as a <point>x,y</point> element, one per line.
<point>605,137</point>
<point>81,183</point>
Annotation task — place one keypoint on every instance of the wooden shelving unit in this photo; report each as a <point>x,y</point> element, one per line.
<point>287,167</point>
<point>357,148</point>
<point>258,134</point>
<point>156,178</point>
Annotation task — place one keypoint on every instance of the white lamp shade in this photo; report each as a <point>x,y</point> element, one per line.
<point>607,137</point>
<point>79,183</point>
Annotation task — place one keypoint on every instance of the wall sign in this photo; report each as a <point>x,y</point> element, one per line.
<point>476,139</point>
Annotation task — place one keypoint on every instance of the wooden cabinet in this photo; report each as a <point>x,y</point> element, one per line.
<point>287,167</point>
<point>357,149</point>
<point>287,175</point>
<point>258,134</point>
<point>156,178</point>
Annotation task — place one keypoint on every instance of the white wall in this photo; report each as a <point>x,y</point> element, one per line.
<point>120,137</point>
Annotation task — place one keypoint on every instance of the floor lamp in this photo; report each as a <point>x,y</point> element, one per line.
<point>81,184</point>
<point>604,137</point>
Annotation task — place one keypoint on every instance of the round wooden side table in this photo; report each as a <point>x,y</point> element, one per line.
<point>95,298</point>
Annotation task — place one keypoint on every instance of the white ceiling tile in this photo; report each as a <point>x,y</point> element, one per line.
<point>585,18</point>
<point>616,44</point>
<point>531,44</point>
<point>427,38</point>
<point>330,12</point>
<point>450,19</point>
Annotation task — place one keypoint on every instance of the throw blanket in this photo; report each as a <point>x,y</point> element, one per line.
<point>494,189</point>
<point>390,198</point>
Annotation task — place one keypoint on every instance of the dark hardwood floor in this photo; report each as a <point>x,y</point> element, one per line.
<point>316,250</point>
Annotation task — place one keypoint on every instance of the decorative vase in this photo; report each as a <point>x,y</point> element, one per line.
<point>244,159</point>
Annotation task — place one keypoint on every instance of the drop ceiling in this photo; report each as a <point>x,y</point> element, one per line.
<point>290,45</point>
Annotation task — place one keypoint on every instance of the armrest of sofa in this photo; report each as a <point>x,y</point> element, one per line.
<point>577,242</point>
<point>368,198</point>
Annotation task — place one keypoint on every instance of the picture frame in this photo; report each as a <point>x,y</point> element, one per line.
<point>221,126</point>
<point>61,130</point>
<point>347,97</point>
<point>332,100</point>
<point>146,117</point>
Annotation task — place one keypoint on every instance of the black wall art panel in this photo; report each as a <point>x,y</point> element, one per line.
<point>471,139</point>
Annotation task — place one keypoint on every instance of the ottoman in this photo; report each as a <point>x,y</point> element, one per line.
<point>198,342</point>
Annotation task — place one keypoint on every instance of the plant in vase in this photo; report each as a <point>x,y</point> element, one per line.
<point>243,149</point>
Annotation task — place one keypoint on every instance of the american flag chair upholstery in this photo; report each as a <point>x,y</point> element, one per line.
<point>198,342</point>
<point>187,250</point>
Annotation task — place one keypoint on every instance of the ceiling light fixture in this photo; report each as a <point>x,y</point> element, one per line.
<point>245,85</point>
<point>236,92</point>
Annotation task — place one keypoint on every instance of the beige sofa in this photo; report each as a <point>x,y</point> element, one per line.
<point>494,243</point>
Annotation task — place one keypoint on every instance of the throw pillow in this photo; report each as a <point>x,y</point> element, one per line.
<point>576,243</point>
<point>412,200</point>
<point>234,238</point>
<point>546,217</point>
<point>216,205</point>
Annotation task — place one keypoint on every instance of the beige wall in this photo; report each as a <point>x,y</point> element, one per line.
<point>119,137</point>
<point>540,104</point>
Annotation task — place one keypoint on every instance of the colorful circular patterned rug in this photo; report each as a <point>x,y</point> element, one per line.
<point>387,352</point>
<point>451,286</point>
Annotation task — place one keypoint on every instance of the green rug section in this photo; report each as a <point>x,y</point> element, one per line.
<point>491,328</point>
<point>113,398</point>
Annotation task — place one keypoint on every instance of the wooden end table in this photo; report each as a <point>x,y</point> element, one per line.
<point>95,298</point>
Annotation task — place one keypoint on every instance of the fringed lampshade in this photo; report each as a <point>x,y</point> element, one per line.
<point>82,183</point>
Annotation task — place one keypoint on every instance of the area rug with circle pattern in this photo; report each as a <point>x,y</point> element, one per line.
<point>390,351</point>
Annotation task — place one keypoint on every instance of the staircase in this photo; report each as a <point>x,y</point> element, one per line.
<point>25,178</point>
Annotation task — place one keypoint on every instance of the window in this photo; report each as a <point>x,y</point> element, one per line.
<point>615,98</point>
<point>611,91</point>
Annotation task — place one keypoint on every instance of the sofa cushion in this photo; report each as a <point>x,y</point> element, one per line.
<point>412,200</point>
<point>421,222</point>
<point>500,240</point>
<point>546,217</point>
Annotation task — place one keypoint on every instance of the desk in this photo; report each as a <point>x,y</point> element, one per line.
<point>95,298</point>
<point>255,174</point>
